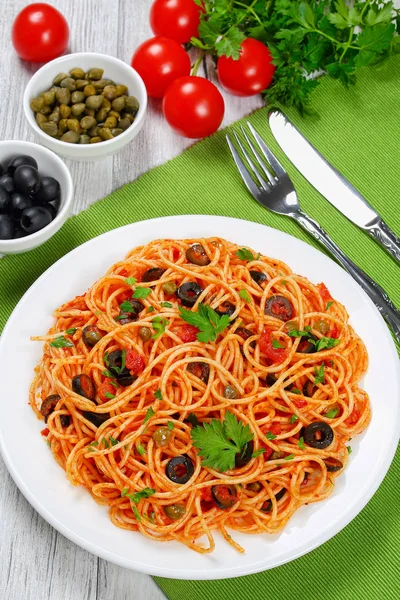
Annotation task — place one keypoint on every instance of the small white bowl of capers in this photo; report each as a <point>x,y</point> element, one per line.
<point>85,106</point>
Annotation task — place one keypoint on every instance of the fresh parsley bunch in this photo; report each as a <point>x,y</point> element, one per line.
<point>304,37</point>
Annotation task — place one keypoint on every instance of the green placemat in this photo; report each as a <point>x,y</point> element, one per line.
<point>358,131</point>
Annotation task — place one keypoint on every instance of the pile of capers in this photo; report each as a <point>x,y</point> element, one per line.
<point>83,108</point>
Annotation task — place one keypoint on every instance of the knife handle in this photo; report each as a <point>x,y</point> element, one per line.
<point>385,236</point>
<point>378,295</point>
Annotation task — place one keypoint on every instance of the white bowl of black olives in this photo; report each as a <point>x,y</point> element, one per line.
<point>36,194</point>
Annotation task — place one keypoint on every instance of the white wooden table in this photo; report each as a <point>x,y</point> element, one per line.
<point>38,563</point>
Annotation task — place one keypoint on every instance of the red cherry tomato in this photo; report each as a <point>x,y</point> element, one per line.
<point>134,362</point>
<point>187,333</point>
<point>277,355</point>
<point>251,73</point>
<point>193,106</point>
<point>176,19</point>
<point>40,33</point>
<point>159,61</point>
<point>105,388</point>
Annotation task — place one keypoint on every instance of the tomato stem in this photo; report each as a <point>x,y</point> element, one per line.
<point>197,63</point>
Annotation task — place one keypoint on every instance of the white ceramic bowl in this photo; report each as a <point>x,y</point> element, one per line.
<point>49,164</point>
<point>114,69</point>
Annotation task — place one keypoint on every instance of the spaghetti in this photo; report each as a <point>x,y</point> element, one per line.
<point>178,345</point>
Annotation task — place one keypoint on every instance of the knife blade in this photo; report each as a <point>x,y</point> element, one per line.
<point>331,183</point>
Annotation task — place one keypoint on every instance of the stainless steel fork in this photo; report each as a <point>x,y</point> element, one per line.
<point>275,191</point>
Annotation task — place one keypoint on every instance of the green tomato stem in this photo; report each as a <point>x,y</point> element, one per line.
<point>197,63</point>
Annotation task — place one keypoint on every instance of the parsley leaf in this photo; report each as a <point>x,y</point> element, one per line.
<point>144,493</point>
<point>277,344</point>
<point>167,305</point>
<point>141,450</point>
<point>127,307</point>
<point>295,391</point>
<point>124,492</point>
<point>150,413</point>
<point>151,309</point>
<point>113,441</point>
<point>105,443</point>
<point>207,320</point>
<point>136,513</point>
<point>130,280</point>
<point>331,414</point>
<point>170,425</point>
<point>319,373</point>
<point>107,373</point>
<point>244,254</point>
<point>158,395</point>
<point>270,436</point>
<point>257,453</point>
<point>293,419</point>
<point>141,292</point>
<point>245,295</point>
<point>61,342</point>
<point>329,304</point>
<point>71,331</point>
<point>298,333</point>
<point>301,444</point>
<point>349,450</point>
<point>218,442</point>
<point>325,342</point>
<point>109,395</point>
<point>159,325</point>
<point>289,457</point>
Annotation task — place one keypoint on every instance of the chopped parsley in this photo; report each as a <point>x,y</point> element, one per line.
<point>277,344</point>
<point>293,419</point>
<point>300,443</point>
<point>61,342</point>
<point>150,413</point>
<point>349,450</point>
<point>207,320</point>
<point>71,330</point>
<point>295,390</point>
<point>113,441</point>
<point>170,425</point>
<point>319,373</point>
<point>109,395</point>
<point>270,436</point>
<point>105,443</point>
<point>258,452</point>
<point>329,305</point>
<point>245,254</point>
<point>151,309</point>
<point>124,492</point>
<point>158,395</point>
<point>167,305</point>
<point>141,292</point>
<point>107,373</point>
<point>331,414</point>
<point>130,280</point>
<point>136,513</point>
<point>244,294</point>
<point>141,450</point>
<point>289,457</point>
<point>159,325</point>
<point>325,342</point>
<point>127,307</point>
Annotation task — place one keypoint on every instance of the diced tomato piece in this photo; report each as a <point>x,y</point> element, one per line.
<point>125,296</point>
<point>45,431</point>
<point>175,253</point>
<point>123,273</point>
<point>105,388</point>
<point>305,480</point>
<point>206,494</point>
<point>300,403</point>
<point>134,362</point>
<point>268,451</point>
<point>275,428</point>
<point>325,293</point>
<point>334,332</point>
<point>353,418</point>
<point>187,333</point>
<point>277,355</point>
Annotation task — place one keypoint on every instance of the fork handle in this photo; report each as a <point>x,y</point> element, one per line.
<point>385,236</point>
<point>378,296</point>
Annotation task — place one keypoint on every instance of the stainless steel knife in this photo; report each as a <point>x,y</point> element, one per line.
<point>330,183</point>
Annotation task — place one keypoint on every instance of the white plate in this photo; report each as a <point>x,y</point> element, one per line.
<point>73,512</point>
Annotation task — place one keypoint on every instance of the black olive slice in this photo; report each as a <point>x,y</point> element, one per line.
<point>153,274</point>
<point>333,464</point>
<point>91,334</point>
<point>279,307</point>
<point>65,420</point>
<point>318,435</point>
<point>179,469</point>
<point>226,308</point>
<point>189,292</point>
<point>96,418</point>
<point>306,346</point>
<point>245,334</point>
<point>125,316</point>
<point>125,378</point>
<point>271,379</point>
<point>48,405</point>
<point>200,370</point>
<point>244,457</point>
<point>84,386</point>
<point>197,255</point>
<point>267,505</point>
<point>258,276</point>
<point>309,389</point>
<point>224,496</point>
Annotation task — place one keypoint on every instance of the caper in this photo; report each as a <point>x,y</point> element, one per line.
<point>124,123</point>
<point>322,326</point>
<point>88,122</point>
<point>63,96</point>
<point>77,73</point>
<point>63,125</point>
<point>95,140</point>
<point>100,84</point>
<point>94,102</point>
<point>162,436</point>
<point>90,112</point>
<point>95,73</point>
<point>101,115</point>
<point>49,128</point>
<point>46,110</point>
<point>89,90</point>
<point>57,80</point>
<point>127,115</point>
<point>93,131</point>
<point>106,105</point>
<point>131,104</point>
<point>105,133</point>
<point>255,486</point>
<point>291,325</point>
<point>115,132</point>
<point>121,89</point>
<point>231,392</point>
<point>77,109</point>
<point>145,333</point>
<point>119,103</point>
<point>110,122</point>
<point>54,116</point>
<point>84,139</point>
<point>175,511</point>
<point>73,125</point>
<point>71,137</point>
<point>68,83</point>
<point>37,104</point>
<point>114,113</point>
<point>40,118</point>
<point>65,111</point>
<point>77,97</point>
<point>276,455</point>
<point>110,92</point>
<point>49,97</point>
<point>169,287</point>
<point>81,83</point>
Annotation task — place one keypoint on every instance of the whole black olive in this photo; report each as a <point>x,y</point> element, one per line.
<point>279,307</point>
<point>22,159</point>
<point>125,317</point>
<point>18,204</point>
<point>318,435</point>
<point>19,233</point>
<point>91,334</point>
<point>96,418</point>
<point>48,405</point>
<point>333,464</point>
<point>179,469</point>
<point>153,274</point>
<point>226,308</point>
<point>49,190</point>
<point>244,457</point>
<point>1,169</point>
<point>200,370</point>
<point>26,180</point>
<point>35,218</point>
<point>267,505</point>
<point>224,496</point>
<point>84,386</point>
<point>306,345</point>
<point>7,182</point>
<point>258,276</point>
<point>245,334</point>
<point>52,210</point>
<point>4,200</point>
<point>189,292</point>
<point>6,227</point>
<point>197,255</point>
